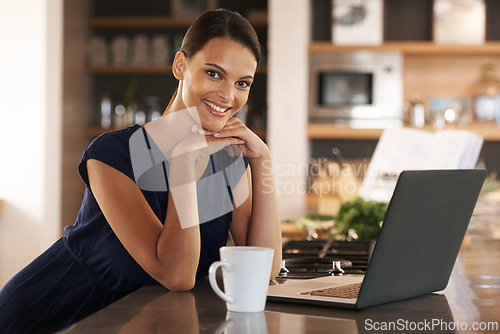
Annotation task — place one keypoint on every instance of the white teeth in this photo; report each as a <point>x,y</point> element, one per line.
<point>213,106</point>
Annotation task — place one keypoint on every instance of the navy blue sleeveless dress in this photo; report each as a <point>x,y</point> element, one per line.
<point>88,268</point>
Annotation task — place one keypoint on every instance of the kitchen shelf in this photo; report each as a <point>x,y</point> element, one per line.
<point>125,22</point>
<point>128,69</point>
<point>413,48</point>
<point>490,132</point>
<point>333,131</point>
<point>146,69</point>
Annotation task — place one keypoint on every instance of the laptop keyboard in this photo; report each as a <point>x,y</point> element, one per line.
<point>345,291</point>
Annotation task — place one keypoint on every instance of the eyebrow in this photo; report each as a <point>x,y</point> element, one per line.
<point>220,68</point>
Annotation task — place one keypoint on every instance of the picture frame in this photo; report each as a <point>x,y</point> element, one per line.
<point>357,22</point>
<point>192,8</point>
<point>459,21</point>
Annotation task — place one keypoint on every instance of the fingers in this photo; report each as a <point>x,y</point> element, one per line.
<point>235,131</point>
<point>234,120</point>
<point>231,124</point>
<point>195,128</point>
<point>226,141</point>
<point>233,150</point>
<point>228,144</point>
<point>231,138</point>
<point>198,129</point>
<point>229,150</point>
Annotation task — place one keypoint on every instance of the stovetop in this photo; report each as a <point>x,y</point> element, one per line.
<point>305,259</point>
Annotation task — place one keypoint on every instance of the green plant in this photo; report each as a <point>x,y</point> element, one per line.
<point>314,221</point>
<point>364,217</point>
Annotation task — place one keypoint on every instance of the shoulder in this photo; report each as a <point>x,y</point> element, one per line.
<point>112,148</point>
<point>114,139</point>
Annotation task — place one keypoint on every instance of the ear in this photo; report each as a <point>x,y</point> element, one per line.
<point>179,65</point>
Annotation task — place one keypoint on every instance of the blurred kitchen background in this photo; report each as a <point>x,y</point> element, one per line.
<point>335,73</point>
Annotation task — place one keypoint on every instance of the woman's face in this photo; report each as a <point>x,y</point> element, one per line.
<point>217,80</point>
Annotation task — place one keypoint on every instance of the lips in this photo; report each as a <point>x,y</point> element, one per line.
<point>216,109</point>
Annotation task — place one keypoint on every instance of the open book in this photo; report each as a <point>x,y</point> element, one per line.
<point>403,149</point>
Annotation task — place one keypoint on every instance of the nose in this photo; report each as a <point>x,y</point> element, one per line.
<point>226,91</point>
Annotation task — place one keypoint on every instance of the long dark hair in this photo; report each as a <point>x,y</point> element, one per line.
<point>220,23</point>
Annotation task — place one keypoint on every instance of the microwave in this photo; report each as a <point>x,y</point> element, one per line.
<point>356,88</point>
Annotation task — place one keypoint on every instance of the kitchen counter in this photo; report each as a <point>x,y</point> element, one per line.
<point>472,298</point>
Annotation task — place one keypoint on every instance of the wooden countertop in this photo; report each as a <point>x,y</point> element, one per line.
<point>490,132</point>
<point>472,297</point>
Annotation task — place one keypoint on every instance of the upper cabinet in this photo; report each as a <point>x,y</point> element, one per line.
<point>404,21</point>
<point>431,71</point>
<point>407,27</point>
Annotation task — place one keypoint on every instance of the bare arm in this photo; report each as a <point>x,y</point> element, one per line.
<point>167,252</point>
<point>256,221</point>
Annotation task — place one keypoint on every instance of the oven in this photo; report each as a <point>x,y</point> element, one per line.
<point>363,87</point>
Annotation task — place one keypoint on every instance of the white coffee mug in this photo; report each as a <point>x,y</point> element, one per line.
<point>246,271</point>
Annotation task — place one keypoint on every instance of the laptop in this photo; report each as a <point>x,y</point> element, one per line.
<point>416,248</point>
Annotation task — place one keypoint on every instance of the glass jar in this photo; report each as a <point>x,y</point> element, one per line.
<point>485,95</point>
<point>105,111</point>
<point>416,112</point>
<point>153,107</point>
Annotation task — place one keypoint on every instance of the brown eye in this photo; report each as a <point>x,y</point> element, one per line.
<point>243,84</point>
<point>213,74</point>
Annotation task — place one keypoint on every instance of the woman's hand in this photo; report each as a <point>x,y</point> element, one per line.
<point>192,154</point>
<point>251,146</point>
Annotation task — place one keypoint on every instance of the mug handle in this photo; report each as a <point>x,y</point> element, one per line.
<point>213,281</point>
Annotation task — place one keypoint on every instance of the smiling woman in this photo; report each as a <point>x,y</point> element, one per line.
<point>221,80</point>
<point>161,199</point>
